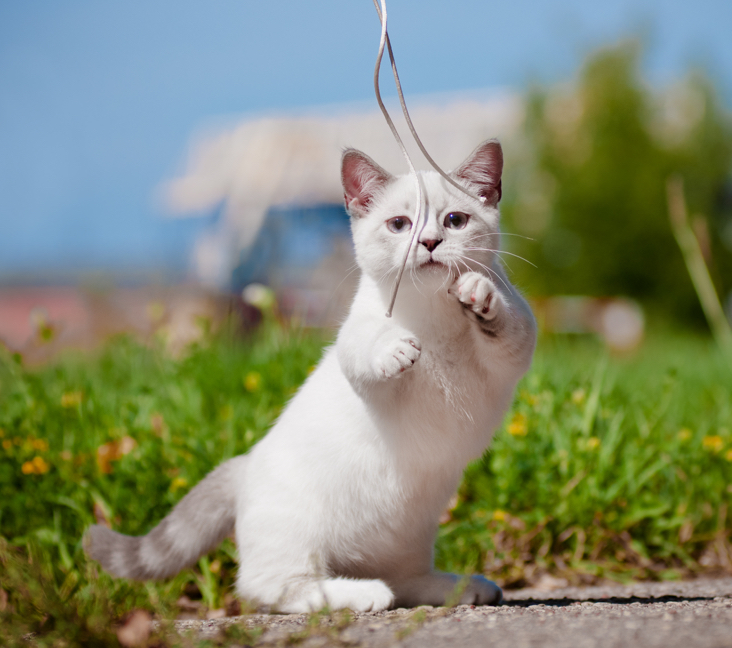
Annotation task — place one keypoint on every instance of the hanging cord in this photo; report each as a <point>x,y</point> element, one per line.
<point>386,42</point>
<point>418,211</point>
<point>412,129</point>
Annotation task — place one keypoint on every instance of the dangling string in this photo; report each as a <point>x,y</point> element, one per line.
<point>386,42</point>
<point>417,179</point>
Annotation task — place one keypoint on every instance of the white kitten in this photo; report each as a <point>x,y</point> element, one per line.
<point>339,503</point>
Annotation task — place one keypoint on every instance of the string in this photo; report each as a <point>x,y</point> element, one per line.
<point>385,41</point>
<point>418,180</point>
<point>408,119</point>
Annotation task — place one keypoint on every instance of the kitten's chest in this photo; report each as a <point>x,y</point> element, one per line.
<point>449,390</point>
<point>450,361</point>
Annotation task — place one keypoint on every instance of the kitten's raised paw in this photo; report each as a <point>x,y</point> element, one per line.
<point>396,352</point>
<point>478,293</point>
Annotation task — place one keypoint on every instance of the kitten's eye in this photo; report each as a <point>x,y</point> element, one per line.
<point>456,220</point>
<point>399,224</point>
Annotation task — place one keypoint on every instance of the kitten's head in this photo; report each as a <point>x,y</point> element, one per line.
<point>459,233</point>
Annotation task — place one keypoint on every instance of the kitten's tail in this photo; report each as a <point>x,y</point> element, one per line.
<point>195,526</point>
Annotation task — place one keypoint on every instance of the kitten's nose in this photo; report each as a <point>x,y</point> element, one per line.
<point>431,244</point>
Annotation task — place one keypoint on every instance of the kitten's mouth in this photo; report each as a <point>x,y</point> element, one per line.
<point>432,264</point>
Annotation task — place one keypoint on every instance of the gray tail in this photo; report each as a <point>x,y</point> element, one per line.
<point>199,522</point>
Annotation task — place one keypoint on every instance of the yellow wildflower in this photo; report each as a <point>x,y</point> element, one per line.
<point>252,381</point>
<point>593,443</point>
<point>684,434</point>
<point>40,444</point>
<point>40,465</point>
<point>7,444</point>
<point>518,425</point>
<point>37,465</point>
<point>71,399</point>
<point>215,566</point>
<point>578,396</point>
<point>2,433</point>
<point>713,443</point>
<point>728,455</point>
<point>66,455</point>
<point>178,482</point>
<point>499,515</point>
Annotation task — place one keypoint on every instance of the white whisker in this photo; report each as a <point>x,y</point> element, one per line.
<point>479,249</point>
<point>488,270</point>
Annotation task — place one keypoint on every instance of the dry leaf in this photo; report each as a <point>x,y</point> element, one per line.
<point>157,423</point>
<point>126,445</point>
<point>112,451</point>
<point>100,516</point>
<point>185,604</point>
<point>547,583</point>
<point>136,630</point>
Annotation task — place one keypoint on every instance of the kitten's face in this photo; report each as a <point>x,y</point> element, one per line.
<point>455,234</point>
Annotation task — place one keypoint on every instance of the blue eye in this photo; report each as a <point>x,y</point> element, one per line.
<point>456,220</point>
<point>399,224</point>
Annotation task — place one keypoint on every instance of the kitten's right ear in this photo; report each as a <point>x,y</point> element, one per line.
<point>362,179</point>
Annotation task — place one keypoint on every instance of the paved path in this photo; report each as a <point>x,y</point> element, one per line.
<point>694,614</point>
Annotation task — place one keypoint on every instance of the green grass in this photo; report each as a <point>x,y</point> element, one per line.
<point>606,467</point>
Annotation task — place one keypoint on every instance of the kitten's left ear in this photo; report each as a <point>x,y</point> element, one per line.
<point>483,169</point>
<point>362,180</point>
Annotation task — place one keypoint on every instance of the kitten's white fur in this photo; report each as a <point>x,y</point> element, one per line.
<point>339,503</point>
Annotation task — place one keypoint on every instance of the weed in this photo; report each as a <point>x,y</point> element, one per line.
<point>606,468</point>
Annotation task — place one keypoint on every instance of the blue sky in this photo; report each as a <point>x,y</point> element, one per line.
<point>98,99</point>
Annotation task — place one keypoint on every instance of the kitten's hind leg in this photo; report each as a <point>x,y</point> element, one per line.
<point>440,588</point>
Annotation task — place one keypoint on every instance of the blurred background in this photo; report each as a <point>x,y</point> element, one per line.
<point>170,170</point>
<point>157,158</point>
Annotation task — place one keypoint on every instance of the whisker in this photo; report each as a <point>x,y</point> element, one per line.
<point>528,238</point>
<point>351,270</point>
<point>479,249</point>
<point>489,271</point>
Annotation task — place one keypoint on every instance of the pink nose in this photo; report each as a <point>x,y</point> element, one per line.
<point>431,244</point>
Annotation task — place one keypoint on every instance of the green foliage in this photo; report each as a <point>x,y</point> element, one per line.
<point>593,197</point>
<point>605,466</point>
<point>122,437</point>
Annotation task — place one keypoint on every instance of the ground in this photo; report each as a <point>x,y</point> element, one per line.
<point>667,615</point>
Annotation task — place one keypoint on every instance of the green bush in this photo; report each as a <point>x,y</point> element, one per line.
<point>590,189</point>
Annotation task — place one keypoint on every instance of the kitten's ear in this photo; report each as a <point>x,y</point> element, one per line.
<point>362,179</point>
<point>483,169</point>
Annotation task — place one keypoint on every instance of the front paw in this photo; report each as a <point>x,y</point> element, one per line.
<point>396,352</point>
<point>478,294</point>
